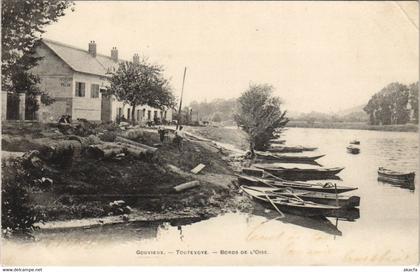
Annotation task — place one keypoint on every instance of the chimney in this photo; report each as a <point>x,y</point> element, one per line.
<point>92,48</point>
<point>136,58</point>
<point>114,54</point>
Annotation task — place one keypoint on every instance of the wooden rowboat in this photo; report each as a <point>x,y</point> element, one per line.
<point>290,149</point>
<point>293,205</point>
<point>326,187</point>
<point>355,142</point>
<point>286,158</point>
<point>317,197</point>
<point>276,141</point>
<point>300,173</point>
<point>395,176</point>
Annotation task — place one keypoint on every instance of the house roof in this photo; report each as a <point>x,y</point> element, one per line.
<point>80,60</point>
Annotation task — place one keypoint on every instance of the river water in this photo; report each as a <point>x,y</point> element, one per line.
<point>385,232</point>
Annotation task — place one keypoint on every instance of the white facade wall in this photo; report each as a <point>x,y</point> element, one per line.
<point>141,112</point>
<point>87,107</point>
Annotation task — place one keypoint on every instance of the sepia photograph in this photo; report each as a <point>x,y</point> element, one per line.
<point>209,133</point>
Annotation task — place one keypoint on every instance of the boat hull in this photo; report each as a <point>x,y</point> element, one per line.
<point>277,141</point>
<point>393,176</point>
<point>317,197</point>
<point>285,158</point>
<point>288,206</point>
<point>405,179</point>
<point>290,149</point>
<point>251,181</point>
<point>303,174</point>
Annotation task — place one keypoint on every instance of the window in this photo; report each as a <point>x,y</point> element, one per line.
<point>149,113</point>
<point>155,114</point>
<point>119,112</point>
<point>94,90</point>
<point>138,115</point>
<point>80,89</point>
<point>128,114</point>
<point>144,113</point>
<point>164,115</point>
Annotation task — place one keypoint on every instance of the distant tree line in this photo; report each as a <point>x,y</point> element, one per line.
<point>217,110</point>
<point>394,104</point>
<point>312,117</point>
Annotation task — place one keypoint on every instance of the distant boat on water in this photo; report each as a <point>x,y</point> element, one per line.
<point>395,176</point>
<point>353,150</point>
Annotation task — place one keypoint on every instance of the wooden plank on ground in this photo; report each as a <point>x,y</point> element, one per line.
<point>186,186</point>
<point>127,141</point>
<point>198,168</point>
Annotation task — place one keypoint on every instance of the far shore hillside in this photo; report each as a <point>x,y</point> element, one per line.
<point>353,125</point>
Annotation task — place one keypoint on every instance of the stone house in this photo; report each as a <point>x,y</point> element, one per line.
<point>77,79</point>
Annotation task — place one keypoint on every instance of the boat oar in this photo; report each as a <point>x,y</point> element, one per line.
<point>290,190</point>
<point>336,201</point>
<point>273,176</point>
<point>275,207</point>
<point>300,199</point>
<point>336,194</point>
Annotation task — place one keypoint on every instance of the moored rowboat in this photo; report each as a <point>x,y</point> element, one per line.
<point>395,176</point>
<point>292,205</point>
<point>326,187</point>
<point>300,173</point>
<point>353,150</point>
<point>286,158</point>
<point>276,141</point>
<point>317,197</point>
<point>290,149</point>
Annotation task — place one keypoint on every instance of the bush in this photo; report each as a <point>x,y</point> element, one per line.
<point>260,115</point>
<point>17,213</point>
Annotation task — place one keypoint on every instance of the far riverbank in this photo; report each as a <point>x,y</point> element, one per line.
<point>353,125</point>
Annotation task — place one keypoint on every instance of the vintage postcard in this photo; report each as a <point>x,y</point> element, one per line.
<point>138,133</point>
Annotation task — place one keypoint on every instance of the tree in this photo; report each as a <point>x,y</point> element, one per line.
<point>260,116</point>
<point>414,101</point>
<point>389,106</point>
<point>217,117</point>
<point>22,23</point>
<point>141,84</point>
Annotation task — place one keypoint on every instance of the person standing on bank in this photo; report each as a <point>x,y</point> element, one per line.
<point>162,133</point>
<point>179,137</point>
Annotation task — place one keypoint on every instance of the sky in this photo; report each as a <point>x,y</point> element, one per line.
<point>318,56</point>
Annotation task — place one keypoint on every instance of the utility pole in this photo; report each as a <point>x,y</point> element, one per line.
<point>180,101</point>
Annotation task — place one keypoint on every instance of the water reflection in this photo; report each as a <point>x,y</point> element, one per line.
<point>316,223</point>
<point>407,185</point>
<point>349,215</point>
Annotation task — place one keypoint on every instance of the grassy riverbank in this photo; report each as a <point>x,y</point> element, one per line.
<point>233,136</point>
<point>353,125</point>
